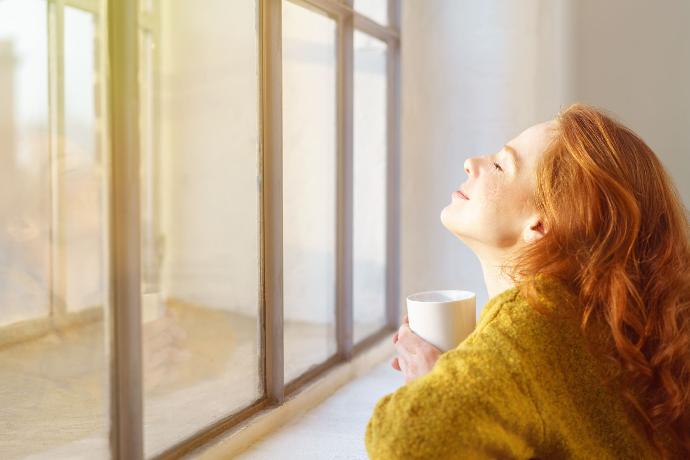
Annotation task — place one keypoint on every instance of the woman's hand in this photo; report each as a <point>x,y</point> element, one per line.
<point>416,356</point>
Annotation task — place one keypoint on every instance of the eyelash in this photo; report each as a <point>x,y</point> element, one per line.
<point>497,166</point>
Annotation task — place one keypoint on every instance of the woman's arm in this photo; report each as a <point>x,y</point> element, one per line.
<point>474,403</point>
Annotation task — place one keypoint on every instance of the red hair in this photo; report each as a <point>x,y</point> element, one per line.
<point>618,236</point>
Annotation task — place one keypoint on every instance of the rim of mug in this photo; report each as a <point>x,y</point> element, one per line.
<point>441,291</point>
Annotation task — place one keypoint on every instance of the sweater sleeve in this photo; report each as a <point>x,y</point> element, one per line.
<point>475,403</point>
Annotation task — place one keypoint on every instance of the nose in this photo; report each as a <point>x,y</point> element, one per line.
<point>470,167</point>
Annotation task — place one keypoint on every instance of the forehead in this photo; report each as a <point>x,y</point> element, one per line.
<point>531,142</point>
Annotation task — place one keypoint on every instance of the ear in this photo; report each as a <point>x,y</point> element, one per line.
<point>534,229</point>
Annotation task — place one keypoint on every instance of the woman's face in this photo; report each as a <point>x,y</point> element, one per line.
<point>498,213</point>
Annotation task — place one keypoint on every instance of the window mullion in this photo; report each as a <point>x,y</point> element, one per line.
<point>393,173</point>
<point>56,91</point>
<point>126,373</point>
<point>385,33</point>
<point>344,267</point>
<point>92,6</point>
<point>272,198</point>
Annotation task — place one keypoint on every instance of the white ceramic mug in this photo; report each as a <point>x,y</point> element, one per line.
<point>443,318</point>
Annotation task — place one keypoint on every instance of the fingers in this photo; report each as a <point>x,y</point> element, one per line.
<point>406,320</point>
<point>405,349</point>
<point>396,336</point>
<point>395,363</point>
<point>403,365</point>
<point>409,344</point>
<point>406,341</point>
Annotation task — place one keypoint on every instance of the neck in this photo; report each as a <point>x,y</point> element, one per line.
<point>496,281</point>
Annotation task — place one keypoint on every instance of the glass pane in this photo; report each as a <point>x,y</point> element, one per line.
<point>53,358</point>
<point>374,9</point>
<point>25,173</point>
<point>369,170</point>
<point>200,219</point>
<point>83,218</point>
<point>309,187</point>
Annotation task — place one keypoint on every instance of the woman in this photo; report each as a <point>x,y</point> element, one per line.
<point>583,350</point>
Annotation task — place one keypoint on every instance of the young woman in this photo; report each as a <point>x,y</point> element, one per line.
<point>583,350</point>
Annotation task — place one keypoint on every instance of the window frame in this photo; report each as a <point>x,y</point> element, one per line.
<point>118,42</point>
<point>269,26</point>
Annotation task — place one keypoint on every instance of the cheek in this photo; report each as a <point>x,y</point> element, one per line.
<point>491,199</point>
<point>509,200</point>
<point>494,212</point>
<point>498,211</point>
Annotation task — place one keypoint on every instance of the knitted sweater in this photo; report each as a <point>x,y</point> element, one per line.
<point>521,385</point>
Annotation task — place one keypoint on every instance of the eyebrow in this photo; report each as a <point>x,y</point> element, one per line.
<point>514,155</point>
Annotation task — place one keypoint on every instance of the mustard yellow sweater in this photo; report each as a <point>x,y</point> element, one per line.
<point>520,386</point>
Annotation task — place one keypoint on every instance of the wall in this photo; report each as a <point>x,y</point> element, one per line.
<point>633,58</point>
<point>474,74</point>
<point>477,73</point>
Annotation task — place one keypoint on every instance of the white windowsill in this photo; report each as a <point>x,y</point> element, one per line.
<point>327,416</point>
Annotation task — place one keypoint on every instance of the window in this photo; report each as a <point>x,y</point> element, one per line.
<point>53,237</point>
<point>199,155</point>
<point>370,163</point>
<point>181,252</point>
<point>309,188</point>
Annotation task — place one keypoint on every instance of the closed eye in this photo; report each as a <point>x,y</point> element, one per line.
<point>497,166</point>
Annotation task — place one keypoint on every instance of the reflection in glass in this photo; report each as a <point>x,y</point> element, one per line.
<point>25,209</point>
<point>369,166</point>
<point>200,219</point>
<point>309,188</point>
<point>53,359</point>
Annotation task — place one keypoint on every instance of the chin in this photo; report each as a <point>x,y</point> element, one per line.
<point>450,227</point>
<point>444,217</point>
<point>451,219</point>
<point>455,227</point>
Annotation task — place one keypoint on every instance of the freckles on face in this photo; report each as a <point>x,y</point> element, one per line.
<point>493,194</point>
<point>500,205</point>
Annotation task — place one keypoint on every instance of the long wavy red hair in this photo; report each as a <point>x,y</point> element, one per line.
<point>619,236</point>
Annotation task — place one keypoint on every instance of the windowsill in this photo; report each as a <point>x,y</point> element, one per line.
<point>327,415</point>
<point>56,378</point>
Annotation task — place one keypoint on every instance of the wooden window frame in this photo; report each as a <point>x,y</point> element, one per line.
<point>276,390</point>
<point>120,140</point>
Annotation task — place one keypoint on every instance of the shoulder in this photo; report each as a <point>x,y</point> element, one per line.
<point>506,354</point>
<point>523,337</point>
<point>546,306</point>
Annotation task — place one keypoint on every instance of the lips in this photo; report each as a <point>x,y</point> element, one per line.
<point>460,195</point>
